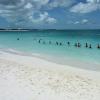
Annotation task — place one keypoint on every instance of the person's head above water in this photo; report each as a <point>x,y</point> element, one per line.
<point>17,38</point>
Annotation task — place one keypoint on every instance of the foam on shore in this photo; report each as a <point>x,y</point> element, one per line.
<point>29,78</point>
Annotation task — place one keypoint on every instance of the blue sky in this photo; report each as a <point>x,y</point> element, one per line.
<point>50,14</point>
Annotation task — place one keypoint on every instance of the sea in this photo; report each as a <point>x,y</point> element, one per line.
<point>59,46</point>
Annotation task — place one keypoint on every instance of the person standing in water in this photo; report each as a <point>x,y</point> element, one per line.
<point>17,38</point>
<point>90,46</point>
<point>86,45</point>
<point>75,45</point>
<point>79,45</point>
<point>56,43</point>
<point>60,43</point>
<point>98,46</point>
<point>39,41</point>
<point>68,43</point>
<point>49,42</point>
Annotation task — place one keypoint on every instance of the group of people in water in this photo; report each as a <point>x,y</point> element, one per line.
<point>78,45</point>
<point>68,43</point>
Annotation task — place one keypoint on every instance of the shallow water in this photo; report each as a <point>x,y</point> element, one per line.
<point>29,42</point>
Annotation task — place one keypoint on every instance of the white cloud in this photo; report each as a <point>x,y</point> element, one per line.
<point>28,6</point>
<point>83,21</point>
<point>18,12</point>
<point>60,3</point>
<point>43,18</point>
<point>93,1</point>
<point>90,6</point>
<point>76,22</point>
<point>51,20</point>
<point>37,4</point>
<point>41,2</point>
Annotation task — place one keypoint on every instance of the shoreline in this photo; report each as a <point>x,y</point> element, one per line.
<point>75,63</point>
<point>28,58</point>
<point>24,77</point>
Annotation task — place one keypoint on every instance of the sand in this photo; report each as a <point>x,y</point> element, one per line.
<point>30,78</point>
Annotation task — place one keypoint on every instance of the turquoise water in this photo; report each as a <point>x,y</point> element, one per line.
<point>28,42</point>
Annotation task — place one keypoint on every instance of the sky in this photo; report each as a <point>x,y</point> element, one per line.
<point>50,14</point>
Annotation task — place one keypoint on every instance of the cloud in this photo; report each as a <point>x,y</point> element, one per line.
<point>89,6</point>
<point>19,12</point>
<point>34,12</point>
<point>43,18</point>
<point>60,3</point>
<point>83,21</point>
<point>51,20</point>
<point>76,22</point>
<point>39,3</point>
<point>93,1</point>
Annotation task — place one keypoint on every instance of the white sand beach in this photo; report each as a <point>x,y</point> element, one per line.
<point>30,78</point>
